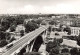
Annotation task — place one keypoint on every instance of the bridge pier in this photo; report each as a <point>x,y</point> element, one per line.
<point>44,35</point>
<point>27,48</point>
<point>31,49</point>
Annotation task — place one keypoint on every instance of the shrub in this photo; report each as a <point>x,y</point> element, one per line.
<point>12,28</point>
<point>22,32</point>
<point>68,29</point>
<point>3,43</point>
<point>65,50</point>
<point>60,40</point>
<point>55,51</point>
<point>12,39</point>
<point>74,51</point>
<point>49,46</point>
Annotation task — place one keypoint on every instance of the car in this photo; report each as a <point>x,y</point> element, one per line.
<point>56,33</point>
<point>9,45</point>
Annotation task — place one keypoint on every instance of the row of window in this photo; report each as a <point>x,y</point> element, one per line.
<point>75,31</point>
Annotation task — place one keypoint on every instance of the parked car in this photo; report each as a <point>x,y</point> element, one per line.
<point>56,33</point>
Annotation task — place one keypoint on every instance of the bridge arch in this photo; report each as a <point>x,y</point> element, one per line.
<point>37,43</point>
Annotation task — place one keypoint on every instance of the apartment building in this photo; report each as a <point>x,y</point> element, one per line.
<point>75,30</point>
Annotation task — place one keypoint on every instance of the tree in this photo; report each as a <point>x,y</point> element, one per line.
<point>53,22</point>
<point>38,21</point>
<point>12,28</point>
<point>60,40</point>
<point>2,28</point>
<point>49,46</point>
<point>60,27</point>
<point>34,21</point>
<point>3,43</point>
<point>55,43</point>
<point>65,50</point>
<point>19,19</point>
<point>43,23</point>
<point>74,51</point>
<point>22,33</point>
<point>30,26</point>
<point>55,51</point>
<point>78,40</point>
<point>67,29</point>
<point>5,23</point>
<point>79,52</point>
<point>2,35</point>
<point>12,39</point>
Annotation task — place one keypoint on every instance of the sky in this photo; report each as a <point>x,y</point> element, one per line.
<point>39,6</point>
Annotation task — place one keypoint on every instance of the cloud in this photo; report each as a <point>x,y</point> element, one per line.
<point>62,8</point>
<point>28,9</point>
<point>66,7</point>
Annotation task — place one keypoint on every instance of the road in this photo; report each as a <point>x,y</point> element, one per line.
<point>25,39</point>
<point>52,35</point>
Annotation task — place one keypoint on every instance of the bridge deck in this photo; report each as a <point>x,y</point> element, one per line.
<point>25,39</point>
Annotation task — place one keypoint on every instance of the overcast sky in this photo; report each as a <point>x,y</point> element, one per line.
<point>39,6</point>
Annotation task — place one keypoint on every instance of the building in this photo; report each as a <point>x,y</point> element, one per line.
<point>74,22</point>
<point>75,30</point>
<point>67,22</point>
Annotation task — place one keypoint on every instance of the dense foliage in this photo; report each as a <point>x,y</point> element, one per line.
<point>30,26</point>
<point>54,51</point>
<point>3,43</point>
<point>65,50</point>
<point>78,40</point>
<point>74,51</point>
<point>67,29</point>
<point>22,33</point>
<point>53,22</point>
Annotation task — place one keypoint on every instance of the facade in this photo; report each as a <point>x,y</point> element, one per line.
<point>77,23</point>
<point>74,22</point>
<point>67,22</point>
<point>64,21</point>
<point>75,30</point>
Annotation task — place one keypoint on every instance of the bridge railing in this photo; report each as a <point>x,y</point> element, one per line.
<point>25,39</point>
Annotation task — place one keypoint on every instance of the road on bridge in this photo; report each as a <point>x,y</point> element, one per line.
<point>25,39</point>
